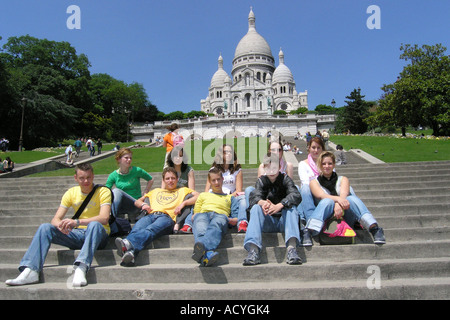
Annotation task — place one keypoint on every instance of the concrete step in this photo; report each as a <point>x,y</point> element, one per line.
<point>233,252</point>
<point>363,194</point>
<point>407,219</point>
<point>237,273</point>
<point>426,288</point>
<point>361,184</point>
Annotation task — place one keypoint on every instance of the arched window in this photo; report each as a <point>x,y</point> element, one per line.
<point>247,99</point>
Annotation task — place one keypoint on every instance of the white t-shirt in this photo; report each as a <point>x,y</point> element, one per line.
<point>229,181</point>
<point>305,173</point>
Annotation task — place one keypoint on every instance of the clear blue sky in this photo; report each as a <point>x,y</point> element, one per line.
<point>171,46</point>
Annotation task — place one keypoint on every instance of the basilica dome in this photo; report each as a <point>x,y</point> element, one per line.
<point>252,42</point>
<point>282,73</point>
<point>220,76</point>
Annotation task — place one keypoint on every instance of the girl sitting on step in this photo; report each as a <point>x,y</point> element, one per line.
<point>332,196</point>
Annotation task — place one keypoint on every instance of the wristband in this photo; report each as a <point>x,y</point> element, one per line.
<point>78,223</point>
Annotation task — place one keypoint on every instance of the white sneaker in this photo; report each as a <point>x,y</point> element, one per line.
<point>79,278</point>
<point>27,276</point>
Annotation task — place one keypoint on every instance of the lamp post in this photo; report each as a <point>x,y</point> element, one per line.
<point>24,102</point>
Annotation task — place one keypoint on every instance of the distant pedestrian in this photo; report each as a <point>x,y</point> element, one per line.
<point>78,145</point>
<point>99,146</point>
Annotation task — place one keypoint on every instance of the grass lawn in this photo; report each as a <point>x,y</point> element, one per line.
<point>251,150</point>
<point>200,153</point>
<point>30,155</point>
<point>394,149</point>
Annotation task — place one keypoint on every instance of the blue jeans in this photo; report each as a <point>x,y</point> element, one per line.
<point>325,210</point>
<point>149,228</point>
<point>287,223</point>
<point>87,240</point>
<point>248,190</point>
<point>241,214</point>
<point>308,205</point>
<point>123,203</point>
<point>209,227</point>
<point>242,211</point>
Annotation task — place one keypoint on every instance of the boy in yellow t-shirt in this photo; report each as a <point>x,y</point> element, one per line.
<point>165,205</point>
<point>211,212</point>
<point>89,231</point>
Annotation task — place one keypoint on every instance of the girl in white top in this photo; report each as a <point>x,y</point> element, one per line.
<point>307,171</point>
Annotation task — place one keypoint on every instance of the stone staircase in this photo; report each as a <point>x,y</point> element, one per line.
<point>410,201</point>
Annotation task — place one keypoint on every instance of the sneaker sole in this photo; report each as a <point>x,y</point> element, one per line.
<point>307,244</point>
<point>119,246</point>
<point>128,259</point>
<point>295,262</point>
<point>199,251</point>
<point>251,263</point>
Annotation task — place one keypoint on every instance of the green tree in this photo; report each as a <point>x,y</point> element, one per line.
<point>195,113</point>
<point>300,110</point>
<point>421,94</point>
<point>353,114</point>
<point>325,109</point>
<point>53,78</point>
<point>176,115</point>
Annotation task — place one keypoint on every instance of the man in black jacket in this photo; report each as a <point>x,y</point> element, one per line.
<point>272,208</point>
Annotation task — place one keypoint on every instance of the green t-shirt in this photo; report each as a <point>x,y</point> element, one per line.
<point>130,182</point>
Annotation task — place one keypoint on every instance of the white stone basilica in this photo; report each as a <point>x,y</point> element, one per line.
<point>255,86</point>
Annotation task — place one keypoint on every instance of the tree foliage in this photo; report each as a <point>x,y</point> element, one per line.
<point>63,99</point>
<point>325,109</point>
<point>421,94</point>
<point>352,116</point>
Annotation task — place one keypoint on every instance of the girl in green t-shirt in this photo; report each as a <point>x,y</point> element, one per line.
<point>128,185</point>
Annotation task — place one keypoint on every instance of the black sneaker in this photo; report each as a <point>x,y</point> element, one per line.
<point>292,257</point>
<point>199,251</point>
<point>252,258</point>
<point>378,235</point>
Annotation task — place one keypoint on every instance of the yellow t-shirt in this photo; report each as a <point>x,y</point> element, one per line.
<point>208,201</point>
<point>162,200</point>
<point>74,198</point>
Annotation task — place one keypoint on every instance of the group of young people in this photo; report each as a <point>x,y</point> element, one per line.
<point>273,204</point>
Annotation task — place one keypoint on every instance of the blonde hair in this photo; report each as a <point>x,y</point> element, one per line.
<point>323,155</point>
<point>121,153</point>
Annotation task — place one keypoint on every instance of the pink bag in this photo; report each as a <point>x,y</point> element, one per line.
<point>336,232</point>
